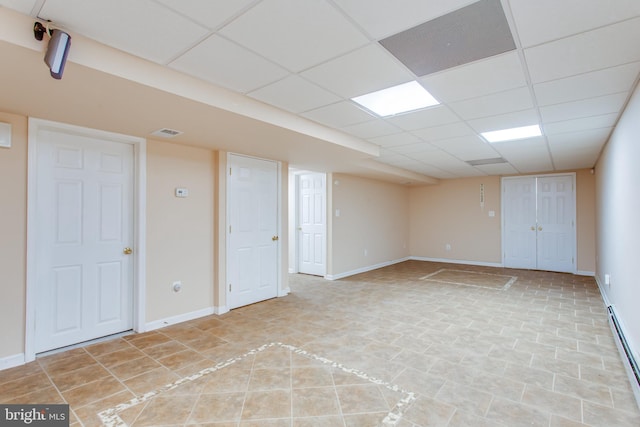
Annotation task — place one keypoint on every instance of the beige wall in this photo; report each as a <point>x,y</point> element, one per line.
<point>618,228</point>
<point>13,235</point>
<point>450,213</point>
<point>586,221</point>
<point>373,218</point>
<point>180,231</point>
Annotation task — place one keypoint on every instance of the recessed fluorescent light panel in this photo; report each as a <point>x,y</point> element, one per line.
<point>397,99</point>
<point>523,132</point>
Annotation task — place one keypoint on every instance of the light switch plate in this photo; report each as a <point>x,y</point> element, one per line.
<point>5,135</point>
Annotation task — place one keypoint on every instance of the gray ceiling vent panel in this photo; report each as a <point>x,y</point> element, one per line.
<point>482,162</point>
<point>474,32</point>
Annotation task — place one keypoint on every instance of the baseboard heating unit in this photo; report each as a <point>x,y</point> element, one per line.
<point>633,364</point>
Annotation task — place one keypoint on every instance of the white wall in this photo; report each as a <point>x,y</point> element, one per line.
<point>618,227</point>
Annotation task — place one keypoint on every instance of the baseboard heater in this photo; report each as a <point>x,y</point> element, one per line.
<point>625,346</point>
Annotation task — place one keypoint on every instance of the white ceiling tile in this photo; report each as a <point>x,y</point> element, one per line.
<point>495,74</point>
<point>434,172</point>
<point>224,63</point>
<point>527,155</point>
<point>585,123</point>
<point>432,116</point>
<point>585,108</point>
<point>210,14</point>
<point>467,148</point>
<point>438,158</point>
<point>389,141</point>
<point>294,94</point>
<point>594,50</point>
<point>576,141</point>
<point>143,28</point>
<point>498,169</point>
<point>382,18</point>
<point>505,121</point>
<point>544,20</point>
<point>362,71</point>
<point>295,34</point>
<point>371,129</point>
<point>596,83</point>
<point>451,130</point>
<point>411,149</point>
<point>585,159</point>
<point>494,104</point>
<point>23,6</point>
<point>340,115</point>
<point>579,149</point>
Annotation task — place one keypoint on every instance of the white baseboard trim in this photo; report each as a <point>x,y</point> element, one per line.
<point>292,270</point>
<point>623,357</point>
<point>12,361</point>
<point>585,273</point>
<point>364,269</point>
<point>222,309</point>
<point>284,292</point>
<point>168,321</point>
<point>457,261</point>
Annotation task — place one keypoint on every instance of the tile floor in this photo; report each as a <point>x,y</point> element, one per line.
<point>414,344</point>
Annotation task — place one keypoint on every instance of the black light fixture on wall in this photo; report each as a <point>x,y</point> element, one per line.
<point>57,49</point>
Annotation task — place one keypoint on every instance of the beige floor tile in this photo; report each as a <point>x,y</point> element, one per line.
<point>361,398</point>
<point>267,404</point>
<point>428,412</point>
<point>315,402</point>
<point>534,353</point>
<point>217,407</point>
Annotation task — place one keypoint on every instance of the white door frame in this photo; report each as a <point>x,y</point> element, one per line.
<point>574,219</point>
<point>139,222</point>
<point>280,291</point>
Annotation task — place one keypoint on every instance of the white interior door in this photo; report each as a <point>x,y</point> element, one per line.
<point>519,222</point>
<point>252,199</point>
<point>555,231</point>
<point>312,224</point>
<point>539,222</point>
<point>84,222</point>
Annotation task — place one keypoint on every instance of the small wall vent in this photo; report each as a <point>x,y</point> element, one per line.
<point>167,133</point>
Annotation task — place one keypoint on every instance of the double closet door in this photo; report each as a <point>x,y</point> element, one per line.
<point>539,222</point>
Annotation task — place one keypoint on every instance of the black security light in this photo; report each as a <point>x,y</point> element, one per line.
<point>57,49</point>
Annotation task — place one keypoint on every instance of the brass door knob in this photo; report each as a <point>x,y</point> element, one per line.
<point>539,228</point>
<point>127,251</point>
<point>533,228</point>
<point>274,238</point>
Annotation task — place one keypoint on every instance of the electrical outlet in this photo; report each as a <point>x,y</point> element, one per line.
<point>447,247</point>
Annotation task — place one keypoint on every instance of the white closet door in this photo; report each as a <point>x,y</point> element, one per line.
<point>253,217</point>
<point>519,222</point>
<point>84,211</point>
<point>555,231</point>
<point>539,222</point>
<point>312,218</point>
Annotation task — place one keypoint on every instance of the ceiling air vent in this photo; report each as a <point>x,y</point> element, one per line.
<point>166,133</point>
<point>482,162</point>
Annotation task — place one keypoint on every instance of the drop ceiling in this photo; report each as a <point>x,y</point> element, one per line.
<point>568,66</point>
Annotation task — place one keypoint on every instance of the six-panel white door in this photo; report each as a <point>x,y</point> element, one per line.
<point>519,222</point>
<point>539,222</point>
<point>252,198</point>
<point>312,224</point>
<point>84,217</point>
<point>555,230</point>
